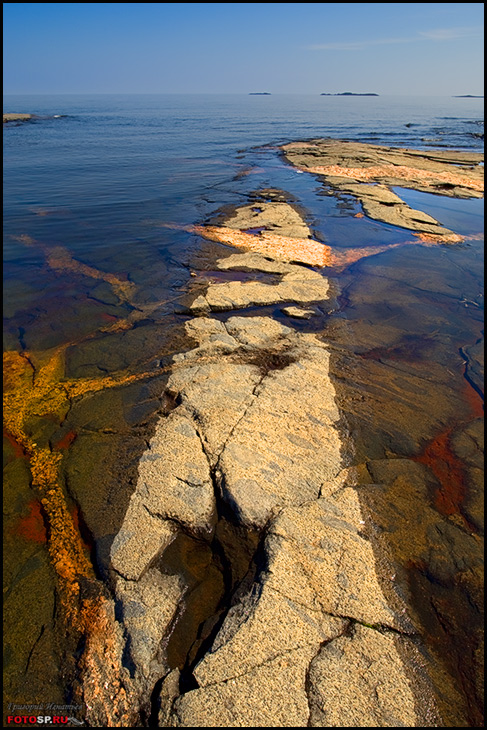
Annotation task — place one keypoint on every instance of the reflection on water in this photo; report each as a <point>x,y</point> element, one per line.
<point>92,287</point>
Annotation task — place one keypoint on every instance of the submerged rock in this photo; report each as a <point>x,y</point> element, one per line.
<point>297,312</point>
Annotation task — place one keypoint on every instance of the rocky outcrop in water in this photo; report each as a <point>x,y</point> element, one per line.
<point>12,117</point>
<point>247,464</point>
<point>254,436</point>
<point>367,172</point>
<point>349,93</point>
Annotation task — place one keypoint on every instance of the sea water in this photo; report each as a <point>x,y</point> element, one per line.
<point>103,189</point>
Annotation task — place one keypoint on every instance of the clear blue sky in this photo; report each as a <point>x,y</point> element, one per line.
<point>387,48</point>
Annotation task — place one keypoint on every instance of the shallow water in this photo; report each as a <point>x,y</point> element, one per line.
<point>96,268</point>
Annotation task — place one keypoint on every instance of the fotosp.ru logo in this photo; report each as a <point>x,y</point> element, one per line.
<point>43,720</point>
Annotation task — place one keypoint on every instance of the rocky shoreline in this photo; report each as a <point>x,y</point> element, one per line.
<point>251,584</point>
<point>302,634</point>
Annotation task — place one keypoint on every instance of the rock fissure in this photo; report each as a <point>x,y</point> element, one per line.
<point>255,667</point>
<point>253,396</point>
<point>308,685</point>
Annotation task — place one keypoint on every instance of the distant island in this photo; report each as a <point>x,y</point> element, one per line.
<point>467,96</point>
<point>348,93</point>
<point>260,93</point>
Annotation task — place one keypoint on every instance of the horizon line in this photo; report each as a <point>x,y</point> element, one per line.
<point>225,93</point>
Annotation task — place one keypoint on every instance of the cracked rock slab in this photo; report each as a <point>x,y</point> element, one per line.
<point>298,284</point>
<point>174,486</point>
<point>272,695</point>
<point>140,539</point>
<point>274,216</point>
<point>281,660</point>
<point>215,395</point>
<point>273,625</point>
<point>148,607</point>
<point>318,552</point>
<point>253,261</point>
<point>360,681</point>
<point>174,476</point>
<point>255,424</point>
<point>268,425</point>
<point>287,446</point>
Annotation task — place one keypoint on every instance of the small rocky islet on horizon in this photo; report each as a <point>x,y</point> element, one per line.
<point>15,117</point>
<point>349,93</point>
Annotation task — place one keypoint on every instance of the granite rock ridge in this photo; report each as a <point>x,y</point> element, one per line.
<point>302,634</point>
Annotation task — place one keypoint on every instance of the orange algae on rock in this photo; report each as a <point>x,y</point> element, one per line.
<point>402,172</point>
<point>282,248</point>
<point>104,686</point>
<point>35,388</point>
<point>440,238</point>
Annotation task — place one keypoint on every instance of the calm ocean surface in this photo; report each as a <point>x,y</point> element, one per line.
<point>108,182</point>
<point>101,177</point>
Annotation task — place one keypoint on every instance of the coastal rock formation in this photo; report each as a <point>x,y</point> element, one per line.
<point>369,171</point>
<point>272,245</point>
<point>279,217</point>
<point>252,446</point>
<point>270,226</point>
<point>297,284</point>
<point>255,398</point>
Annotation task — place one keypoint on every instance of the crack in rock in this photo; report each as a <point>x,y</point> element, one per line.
<point>267,443</point>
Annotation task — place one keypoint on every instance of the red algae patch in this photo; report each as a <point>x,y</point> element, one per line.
<point>32,527</point>
<point>18,449</point>
<point>447,467</point>
<point>65,442</point>
<point>439,457</point>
